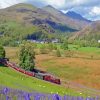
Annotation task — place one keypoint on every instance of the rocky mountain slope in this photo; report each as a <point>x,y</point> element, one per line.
<point>77,17</point>
<point>91,32</point>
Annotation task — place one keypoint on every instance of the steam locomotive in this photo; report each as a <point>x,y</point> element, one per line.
<point>34,73</point>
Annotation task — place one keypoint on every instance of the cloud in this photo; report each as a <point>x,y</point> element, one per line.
<point>60,4</point>
<point>87,8</point>
<point>76,3</point>
<point>95,11</point>
<point>7,3</point>
<point>55,3</point>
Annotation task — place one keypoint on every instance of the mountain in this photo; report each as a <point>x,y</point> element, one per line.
<point>91,32</point>
<point>25,21</point>
<point>28,14</point>
<point>47,18</point>
<point>77,16</point>
<point>64,19</point>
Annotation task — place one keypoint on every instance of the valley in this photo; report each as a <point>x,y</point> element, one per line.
<point>66,45</point>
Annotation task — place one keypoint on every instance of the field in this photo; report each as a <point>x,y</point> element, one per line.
<point>73,71</point>
<point>16,80</point>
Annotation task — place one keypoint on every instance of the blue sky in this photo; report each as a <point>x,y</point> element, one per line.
<point>87,8</point>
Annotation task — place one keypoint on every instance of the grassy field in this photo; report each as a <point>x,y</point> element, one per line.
<point>81,69</point>
<point>80,52</point>
<point>16,80</point>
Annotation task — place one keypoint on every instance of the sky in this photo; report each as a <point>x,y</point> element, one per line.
<point>89,9</point>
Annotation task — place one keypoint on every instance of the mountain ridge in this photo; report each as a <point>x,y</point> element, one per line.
<point>76,16</point>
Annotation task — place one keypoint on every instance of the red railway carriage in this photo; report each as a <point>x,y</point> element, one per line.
<point>21,70</point>
<point>16,68</point>
<point>47,77</point>
<point>10,64</point>
<point>29,73</point>
<point>54,80</point>
<point>35,73</point>
<point>57,81</point>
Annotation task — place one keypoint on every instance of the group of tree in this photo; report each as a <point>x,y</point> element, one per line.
<point>26,56</point>
<point>12,32</point>
<point>87,43</point>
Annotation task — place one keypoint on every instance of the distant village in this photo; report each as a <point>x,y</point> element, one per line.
<point>45,41</point>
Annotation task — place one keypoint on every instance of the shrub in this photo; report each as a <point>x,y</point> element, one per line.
<point>69,53</point>
<point>2,52</point>
<point>58,54</point>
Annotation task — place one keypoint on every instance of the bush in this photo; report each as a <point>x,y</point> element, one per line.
<point>2,52</point>
<point>58,54</point>
<point>69,53</point>
<point>64,45</point>
<point>44,51</point>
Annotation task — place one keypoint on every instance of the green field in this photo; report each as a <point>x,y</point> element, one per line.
<point>16,80</point>
<point>95,50</point>
<point>78,48</point>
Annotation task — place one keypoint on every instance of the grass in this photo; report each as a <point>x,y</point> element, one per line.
<point>16,80</point>
<point>95,50</point>
<point>73,70</point>
<point>76,70</point>
<point>90,50</point>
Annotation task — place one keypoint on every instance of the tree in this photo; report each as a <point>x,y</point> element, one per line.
<point>65,44</point>
<point>2,52</point>
<point>52,46</point>
<point>27,56</point>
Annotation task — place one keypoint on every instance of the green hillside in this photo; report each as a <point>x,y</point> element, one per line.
<point>13,79</point>
<point>12,32</point>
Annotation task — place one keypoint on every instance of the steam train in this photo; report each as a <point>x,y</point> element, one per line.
<point>35,73</point>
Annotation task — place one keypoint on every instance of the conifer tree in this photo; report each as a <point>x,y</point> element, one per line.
<point>27,56</point>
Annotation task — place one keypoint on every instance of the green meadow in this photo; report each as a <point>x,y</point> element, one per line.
<point>11,78</point>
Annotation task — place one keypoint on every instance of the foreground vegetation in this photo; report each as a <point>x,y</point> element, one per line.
<point>8,93</point>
